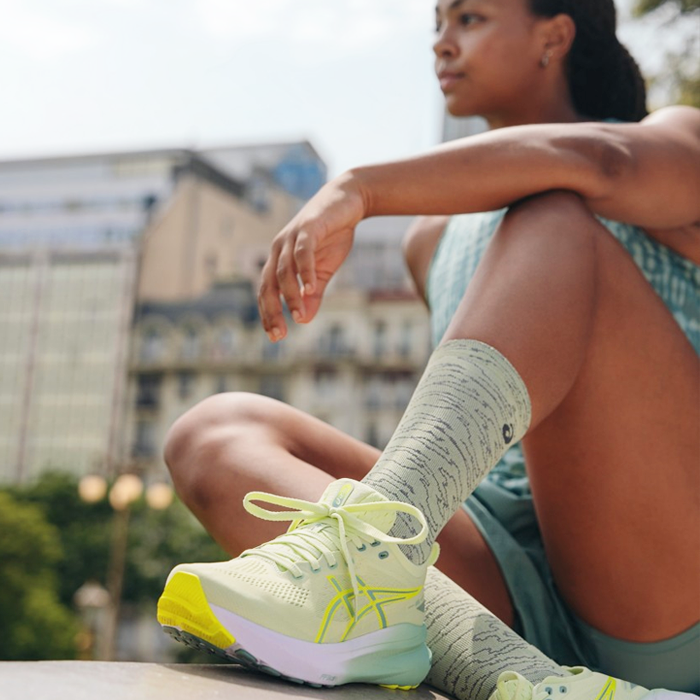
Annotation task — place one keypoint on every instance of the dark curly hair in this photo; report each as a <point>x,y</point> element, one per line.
<point>604,79</point>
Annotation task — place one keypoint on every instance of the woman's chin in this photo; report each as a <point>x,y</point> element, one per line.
<point>459,109</point>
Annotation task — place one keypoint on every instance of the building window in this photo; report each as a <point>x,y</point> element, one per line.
<point>148,390</point>
<point>373,395</point>
<point>325,382</point>
<point>190,344</point>
<point>333,343</point>
<point>379,339</point>
<point>257,193</point>
<point>272,385</point>
<point>405,386</point>
<point>406,339</point>
<point>145,443</point>
<point>152,345</point>
<point>185,384</point>
<point>225,343</point>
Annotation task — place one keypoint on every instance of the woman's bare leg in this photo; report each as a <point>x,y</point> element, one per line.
<point>615,390</point>
<point>233,443</point>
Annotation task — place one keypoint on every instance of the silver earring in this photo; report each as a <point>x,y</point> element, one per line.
<point>544,61</point>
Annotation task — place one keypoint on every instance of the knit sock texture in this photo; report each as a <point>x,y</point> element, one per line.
<point>469,407</point>
<point>471,647</point>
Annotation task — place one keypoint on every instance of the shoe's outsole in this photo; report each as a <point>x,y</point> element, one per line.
<point>184,613</point>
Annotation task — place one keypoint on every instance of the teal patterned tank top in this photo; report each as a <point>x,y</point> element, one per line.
<point>674,278</point>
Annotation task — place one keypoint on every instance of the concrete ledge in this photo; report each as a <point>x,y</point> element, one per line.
<point>99,680</point>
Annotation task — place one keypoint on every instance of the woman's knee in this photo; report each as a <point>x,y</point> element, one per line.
<point>551,238</point>
<point>199,439</point>
<point>559,213</point>
<point>554,204</point>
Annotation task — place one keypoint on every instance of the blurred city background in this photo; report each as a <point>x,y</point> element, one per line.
<point>151,150</point>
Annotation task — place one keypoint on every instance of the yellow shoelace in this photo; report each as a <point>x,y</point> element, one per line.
<point>310,544</point>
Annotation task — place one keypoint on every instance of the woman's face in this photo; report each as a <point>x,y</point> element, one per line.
<point>487,57</point>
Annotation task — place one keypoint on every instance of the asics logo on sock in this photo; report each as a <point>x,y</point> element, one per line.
<point>508,433</point>
<point>376,599</point>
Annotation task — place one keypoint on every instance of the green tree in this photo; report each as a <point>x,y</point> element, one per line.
<point>84,529</point>
<point>682,75</point>
<point>34,623</point>
<point>158,540</point>
<point>82,538</point>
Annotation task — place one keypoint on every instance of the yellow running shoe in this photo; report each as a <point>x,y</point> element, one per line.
<point>581,684</point>
<point>332,601</point>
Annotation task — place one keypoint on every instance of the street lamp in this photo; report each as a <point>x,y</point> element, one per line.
<point>127,489</point>
<point>92,600</point>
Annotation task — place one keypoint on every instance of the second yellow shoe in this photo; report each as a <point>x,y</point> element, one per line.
<point>579,684</point>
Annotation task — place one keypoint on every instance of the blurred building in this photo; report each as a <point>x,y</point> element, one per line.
<point>82,240</point>
<point>128,281</point>
<point>354,367</point>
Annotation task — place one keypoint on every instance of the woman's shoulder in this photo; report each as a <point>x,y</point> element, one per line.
<point>676,117</point>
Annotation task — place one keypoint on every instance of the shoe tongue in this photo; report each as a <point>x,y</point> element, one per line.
<point>340,493</point>
<point>345,492</point>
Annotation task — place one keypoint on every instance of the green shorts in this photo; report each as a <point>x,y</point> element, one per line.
<point>502,509</point>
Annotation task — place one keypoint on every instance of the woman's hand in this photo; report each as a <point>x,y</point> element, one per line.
<point>308,252</point>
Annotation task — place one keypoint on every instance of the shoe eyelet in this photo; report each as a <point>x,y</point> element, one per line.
<point>383,555</point>
<point>563,689</point>
<point>548,690</point>
<point>376,543</point>
<point>362,548</point>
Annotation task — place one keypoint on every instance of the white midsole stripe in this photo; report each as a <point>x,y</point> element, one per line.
<point>311,662</point>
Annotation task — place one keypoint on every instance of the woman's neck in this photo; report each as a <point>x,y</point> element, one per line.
<point>536,114</point>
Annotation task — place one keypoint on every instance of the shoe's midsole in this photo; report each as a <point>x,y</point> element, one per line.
<point>394,655</point>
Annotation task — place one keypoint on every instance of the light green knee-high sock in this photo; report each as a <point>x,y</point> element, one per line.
<point>471,647</point>
<point>468,408</point>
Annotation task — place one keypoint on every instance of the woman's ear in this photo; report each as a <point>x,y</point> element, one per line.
<point>558,34</point>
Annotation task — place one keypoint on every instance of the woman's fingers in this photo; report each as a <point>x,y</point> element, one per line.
<point>290,273</point>
<point>271,315</point>
<point>307,253</point>
<point>304,257</point>
<point>288,282</point>
<point>269,304</point>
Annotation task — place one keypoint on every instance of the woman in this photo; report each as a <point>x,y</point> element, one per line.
<point>547,329</point>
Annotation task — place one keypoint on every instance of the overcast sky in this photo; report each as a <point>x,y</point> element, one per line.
<point>352,76</point>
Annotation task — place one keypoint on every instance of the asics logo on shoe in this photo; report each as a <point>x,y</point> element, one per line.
<point>376,600</point>
<point>342,495</point>
<point>608,692</point>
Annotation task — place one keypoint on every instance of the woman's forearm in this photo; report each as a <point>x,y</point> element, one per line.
<point>646,174</point>
<point>493,170</point>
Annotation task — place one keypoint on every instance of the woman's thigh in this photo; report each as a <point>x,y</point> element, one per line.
<point>612,453</point>
<point>234,443</point>
<point>615,472</point>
